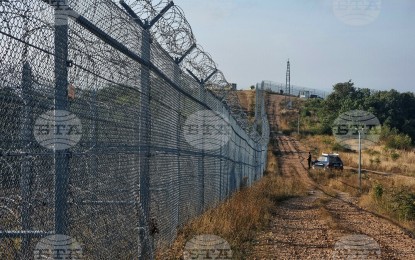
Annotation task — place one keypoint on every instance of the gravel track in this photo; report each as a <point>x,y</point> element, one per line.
<point>308,227</point>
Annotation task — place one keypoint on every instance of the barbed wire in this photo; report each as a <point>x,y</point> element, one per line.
<point>174,34</point>
<point>109,93</point>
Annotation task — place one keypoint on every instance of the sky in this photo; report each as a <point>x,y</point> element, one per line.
<point>371,42</point>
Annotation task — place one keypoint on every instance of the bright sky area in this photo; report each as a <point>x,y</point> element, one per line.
<point>371,42</point>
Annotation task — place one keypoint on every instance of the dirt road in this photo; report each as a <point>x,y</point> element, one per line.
<point>320,226</point>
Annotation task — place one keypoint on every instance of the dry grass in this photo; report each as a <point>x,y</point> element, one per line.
<point>377,158</point>
<point>396,199</point>
<point>391,196</point>
<point>247,101</point>
<point>330,219</point>
<point>239,218</point>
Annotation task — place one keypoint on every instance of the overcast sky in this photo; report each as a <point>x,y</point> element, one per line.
<point>371,42</point>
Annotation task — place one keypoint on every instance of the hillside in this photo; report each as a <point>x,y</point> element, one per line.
<point>315,226</point>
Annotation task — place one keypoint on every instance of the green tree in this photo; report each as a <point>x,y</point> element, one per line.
<point>394,110</point>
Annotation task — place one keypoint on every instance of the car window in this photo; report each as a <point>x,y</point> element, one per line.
<point>322,159</point>
<point>335,159</point>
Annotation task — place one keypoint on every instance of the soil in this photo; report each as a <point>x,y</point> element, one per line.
<point>323,226</point>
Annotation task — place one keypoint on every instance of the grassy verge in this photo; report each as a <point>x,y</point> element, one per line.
<point>378,158</point>
<point>390,196</point>
<point>393,197</point>
<point>238,219</point>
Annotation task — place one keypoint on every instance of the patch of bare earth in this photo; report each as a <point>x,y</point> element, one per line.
<point>309,227</point>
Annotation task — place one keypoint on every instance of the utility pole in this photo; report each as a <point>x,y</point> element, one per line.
<point>288,84</point>
<point>360,162</point>
<point>359,170</point>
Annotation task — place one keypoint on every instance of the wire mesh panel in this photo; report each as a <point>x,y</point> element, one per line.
<point>116,129</point>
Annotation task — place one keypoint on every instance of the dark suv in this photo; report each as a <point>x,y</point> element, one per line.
<point>328,161</point>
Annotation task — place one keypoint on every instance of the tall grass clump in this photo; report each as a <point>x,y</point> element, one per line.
<point>397,202</point>
<point>239,218</point>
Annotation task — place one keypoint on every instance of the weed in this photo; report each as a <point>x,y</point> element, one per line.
<point>403,203</point>
<point>378,191</point>
<point>394,156</point>
<point>242,215</point>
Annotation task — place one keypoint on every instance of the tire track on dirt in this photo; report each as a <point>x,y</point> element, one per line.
<point>308,227</point>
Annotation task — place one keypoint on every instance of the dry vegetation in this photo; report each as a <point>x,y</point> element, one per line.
<point>247,101</point>
<point>239,218</point>
<point>376,158</point>
<point>392,196</point>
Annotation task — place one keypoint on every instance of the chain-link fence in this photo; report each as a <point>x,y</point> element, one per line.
<point>293,90</point>
<point>116,129</point>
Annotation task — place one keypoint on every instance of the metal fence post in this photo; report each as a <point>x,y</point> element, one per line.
<point>220,172</point>
<point>145,142</point>
<point>256,107</point>
<point>176,78</point>
<point>202,164</point>
<point>26,164</point>
<point>61,103</point>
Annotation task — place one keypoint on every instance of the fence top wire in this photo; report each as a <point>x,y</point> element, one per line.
<point>109,165</point>
<point>174,34</point>
<point>171,32</point>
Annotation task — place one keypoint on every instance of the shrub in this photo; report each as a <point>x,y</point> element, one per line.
<point>327,140</point>
<point>403,203</point>
<point>372,152</point>
<point>287,131</point>
<point>395,140</point>
<point>339,148</point>
<point>394,156</point>
<point>378,191</point>
<point>377,160</point>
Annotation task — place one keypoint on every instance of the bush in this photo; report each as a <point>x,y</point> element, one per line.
<point>339,148</point>
<point>327,140</point>
<point>372,152</point>
<point>287,131</point>
<point>394,156</point>
<point>378,191</point>
<point>395,140</point>
<point>325,129</point>
<point>399,141</point>
<point>403,203</point>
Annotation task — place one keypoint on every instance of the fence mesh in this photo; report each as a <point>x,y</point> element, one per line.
<point>116,128</point>
<point>294,90</point>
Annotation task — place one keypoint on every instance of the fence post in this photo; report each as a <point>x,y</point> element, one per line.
<point>176,78</point>
<point>26,164</point>
<point>61,103</point>
<point>202,165</point>
<point>263,126</point>
<point>220,171</point>
<point>145,142</point>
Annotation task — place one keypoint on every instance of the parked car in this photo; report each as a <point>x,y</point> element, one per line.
<point>328,161</point>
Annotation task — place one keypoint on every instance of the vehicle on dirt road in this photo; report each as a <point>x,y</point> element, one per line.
<point>328,162</point>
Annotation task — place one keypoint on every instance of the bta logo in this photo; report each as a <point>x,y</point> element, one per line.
<point>58,247</point>
<point>354,129</point>
<point>61,129</point>
<point>356,247</point>
<point>58,130</point>
<point>358,5</point>
<point>207,247</point>
<point>58,253</point>
<point>357,12</point>
<point>349,125</point>
<point>210,253</point>
<point>206,129</point>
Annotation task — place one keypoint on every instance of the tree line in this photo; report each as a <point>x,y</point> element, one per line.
<point>395,111</point>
